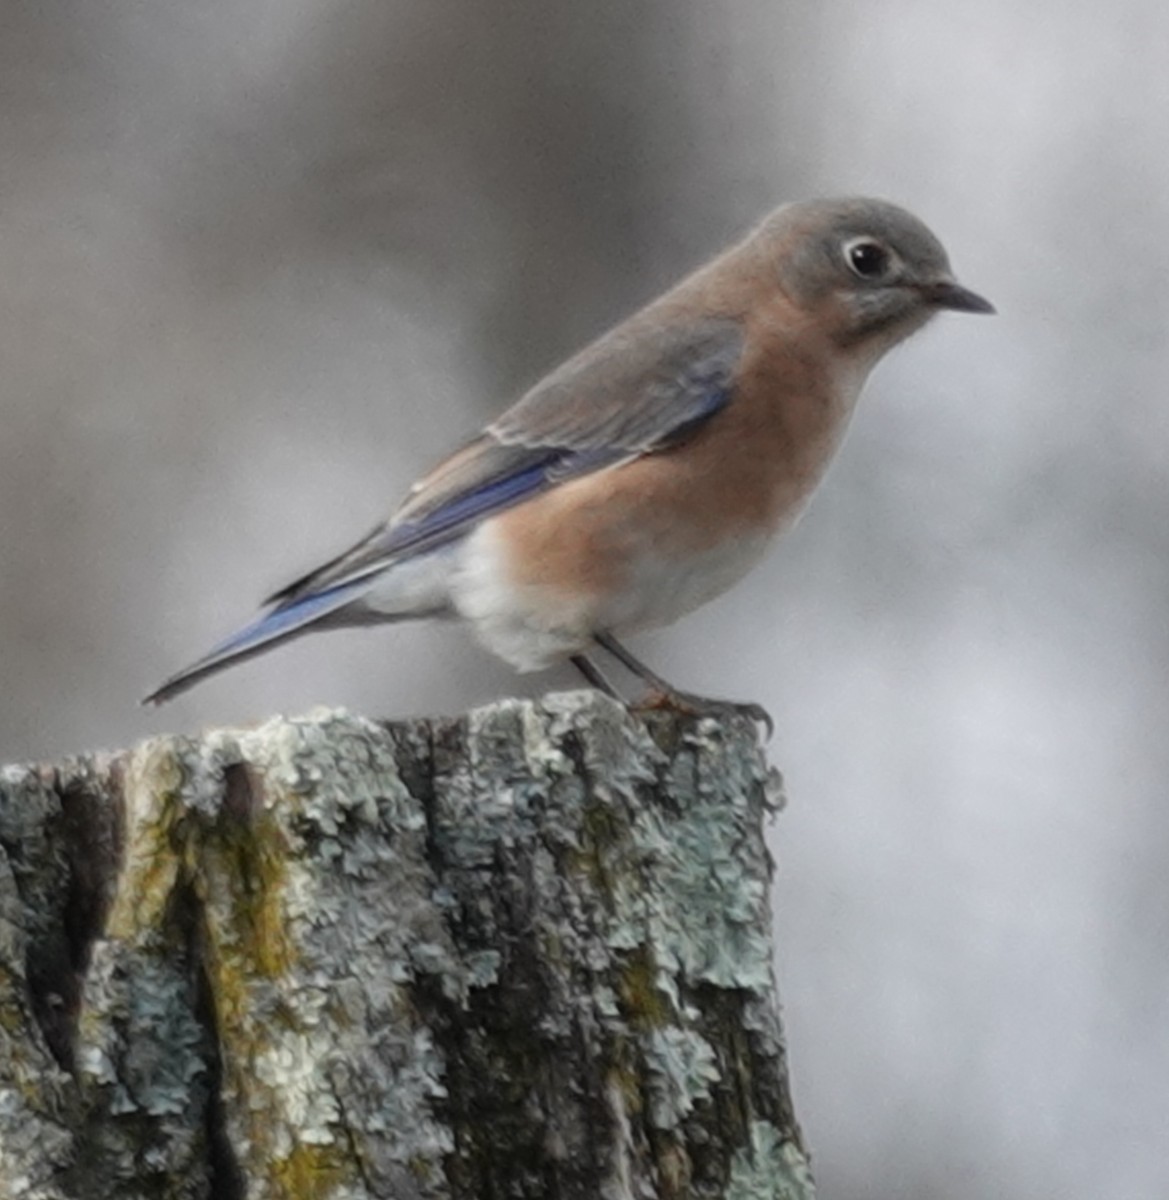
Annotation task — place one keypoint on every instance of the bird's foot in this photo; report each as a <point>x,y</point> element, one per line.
<point>672,700</point>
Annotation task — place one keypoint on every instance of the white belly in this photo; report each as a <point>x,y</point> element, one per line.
<point>533,626</point>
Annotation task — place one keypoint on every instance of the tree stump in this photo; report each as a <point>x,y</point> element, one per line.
<point>526,953</point>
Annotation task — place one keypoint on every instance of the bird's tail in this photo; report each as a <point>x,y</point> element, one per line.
<point>278,625</point>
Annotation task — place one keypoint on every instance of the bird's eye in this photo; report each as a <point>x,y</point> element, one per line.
<point>867,258</point>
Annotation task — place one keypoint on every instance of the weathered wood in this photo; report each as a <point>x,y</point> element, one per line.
<point>522,954</point>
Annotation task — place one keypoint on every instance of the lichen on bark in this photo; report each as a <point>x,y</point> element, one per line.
<point>525,953</point>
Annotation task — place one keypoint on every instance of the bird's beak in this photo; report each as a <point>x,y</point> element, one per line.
<point>946,293</point>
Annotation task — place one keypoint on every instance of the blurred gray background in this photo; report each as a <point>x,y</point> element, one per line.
<point>260,264</point>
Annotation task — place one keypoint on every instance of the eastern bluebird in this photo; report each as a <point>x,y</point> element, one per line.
<point>650,472</point>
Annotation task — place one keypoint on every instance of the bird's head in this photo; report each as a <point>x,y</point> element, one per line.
<point>869,271</point>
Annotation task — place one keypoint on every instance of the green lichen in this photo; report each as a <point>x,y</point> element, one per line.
<point>309,1172</point>
<point>253,863</point>
<point>771,1168</point>
<point>602,835</point>
<point>337,825</point>
<point>246,937</point>
<point>12,1013</point>
<point>643,1003</point>
<point>625,1078</point>
<point>153,806</point>
<point>682,1067</point>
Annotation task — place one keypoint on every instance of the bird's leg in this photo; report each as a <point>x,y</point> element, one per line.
<point>594,676</point>
<point>665,695</point>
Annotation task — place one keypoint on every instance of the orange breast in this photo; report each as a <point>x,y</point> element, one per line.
<point>747,472</point>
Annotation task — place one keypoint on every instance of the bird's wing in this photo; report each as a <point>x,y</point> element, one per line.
<point>631,393</point>
<point>638,387</point>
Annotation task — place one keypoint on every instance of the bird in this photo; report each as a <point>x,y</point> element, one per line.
<point>653,469</point>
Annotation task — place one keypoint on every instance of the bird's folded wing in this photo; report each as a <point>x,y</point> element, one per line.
<point>637,390</point>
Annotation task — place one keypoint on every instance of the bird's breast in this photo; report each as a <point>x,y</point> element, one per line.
<point>640,544</point>
<point>535,597</point>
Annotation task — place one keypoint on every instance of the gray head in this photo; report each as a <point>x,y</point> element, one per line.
<point>871,270</point>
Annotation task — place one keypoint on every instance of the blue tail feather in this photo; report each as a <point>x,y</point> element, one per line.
<point>278,625</point>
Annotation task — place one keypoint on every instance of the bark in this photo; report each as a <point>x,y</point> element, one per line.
<point>522,954</point>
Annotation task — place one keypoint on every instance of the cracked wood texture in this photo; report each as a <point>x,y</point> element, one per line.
<point>526,953</point>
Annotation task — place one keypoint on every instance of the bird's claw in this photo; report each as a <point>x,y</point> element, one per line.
<point>658,699</point>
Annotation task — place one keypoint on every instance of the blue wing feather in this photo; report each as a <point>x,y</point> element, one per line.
<point>504,491</point>
<point>266,630</point>
<point>284,620</point>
